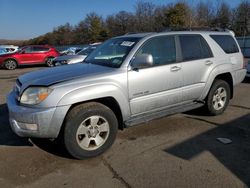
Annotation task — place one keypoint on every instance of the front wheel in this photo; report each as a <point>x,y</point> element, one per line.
<point>10,64</point>
<point>49,61</point>
<point>218,97</point>
<point>90,129</point>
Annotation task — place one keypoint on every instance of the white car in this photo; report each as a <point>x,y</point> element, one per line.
<point>4,49</point>
<point>72,59</point>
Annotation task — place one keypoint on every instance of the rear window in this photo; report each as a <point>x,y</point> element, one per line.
<point>194,47</point>
<point>226,42</point>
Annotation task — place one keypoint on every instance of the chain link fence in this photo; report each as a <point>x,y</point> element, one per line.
<point>244,43</point>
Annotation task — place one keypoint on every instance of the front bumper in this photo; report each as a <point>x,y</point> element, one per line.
<point>35,122</point>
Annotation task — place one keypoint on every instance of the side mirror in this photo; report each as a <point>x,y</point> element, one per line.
<point>142,61</point>
<point>22,52</point>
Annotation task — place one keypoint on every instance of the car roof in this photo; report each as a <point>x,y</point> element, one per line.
<point>48,46</point>
<point>142,35</point>
<point>136,35</point>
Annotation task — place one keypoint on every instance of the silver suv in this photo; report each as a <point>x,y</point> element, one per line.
<point>126,81</point>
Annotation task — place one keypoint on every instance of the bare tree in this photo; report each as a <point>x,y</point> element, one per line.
<point>204,13</point>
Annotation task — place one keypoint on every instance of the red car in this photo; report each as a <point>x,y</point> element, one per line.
<point>29,55</point>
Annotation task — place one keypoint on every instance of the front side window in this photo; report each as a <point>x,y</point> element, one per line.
<point>113,52</point>
<point>161,48</point>
<point>28,50</point>
<point>194,47</point>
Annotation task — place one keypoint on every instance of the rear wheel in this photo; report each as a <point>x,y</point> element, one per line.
<point>90,129</point>
<point>10,64</point>
<point>49,61</point>
<point>218,97</point>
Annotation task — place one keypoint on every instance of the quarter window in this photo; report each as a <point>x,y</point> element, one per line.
<point>226,42</point>
<point>161,48</point>
<point>194,47</point>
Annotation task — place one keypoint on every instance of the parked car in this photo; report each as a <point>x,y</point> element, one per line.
<point>4,49</point>
<point>127,80</point>
<point>71,59</point>
<point>28,55</point>
<point>248,69</point>
<point>71,51</point>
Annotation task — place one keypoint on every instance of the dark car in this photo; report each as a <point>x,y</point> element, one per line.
<point>29,55</point>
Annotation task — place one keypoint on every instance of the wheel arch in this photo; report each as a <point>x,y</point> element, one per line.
<point>11,58</point>
<point>226,76</point>
<point>110,102</point>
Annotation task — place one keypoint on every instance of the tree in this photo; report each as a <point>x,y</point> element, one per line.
<point>204,14</point>
<point>241,19</point>
<point>223,16</point>
<point>178,15</point>
<point>120,23</point>
<point>144,13</point>
<point>95,26</point>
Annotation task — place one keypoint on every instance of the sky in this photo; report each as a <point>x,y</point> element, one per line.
<point>26,19</point>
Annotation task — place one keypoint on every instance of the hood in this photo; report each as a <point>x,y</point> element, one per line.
<point>59,74</point>
<point>68,57</point>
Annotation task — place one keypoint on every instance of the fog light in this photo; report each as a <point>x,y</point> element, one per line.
<point>25,126</point>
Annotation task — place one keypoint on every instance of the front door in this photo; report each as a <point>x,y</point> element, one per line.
<point>158,86</point>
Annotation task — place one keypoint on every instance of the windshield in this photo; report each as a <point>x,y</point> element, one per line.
<point>113,52</point>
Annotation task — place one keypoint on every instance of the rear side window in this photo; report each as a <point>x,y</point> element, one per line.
<point>194,47</point>
<point>40,49</point>
<point>226,42</point>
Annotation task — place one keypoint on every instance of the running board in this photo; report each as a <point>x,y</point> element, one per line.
<point>142,118</point>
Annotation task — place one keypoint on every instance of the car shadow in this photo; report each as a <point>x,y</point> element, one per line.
<point>246,80</point>
<point>9,138</point>
<point>235,156</point>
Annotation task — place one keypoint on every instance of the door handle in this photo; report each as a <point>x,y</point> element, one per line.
<point>175,68</point>
<point>208,62</point>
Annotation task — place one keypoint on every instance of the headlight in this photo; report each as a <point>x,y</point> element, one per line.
<point>35,95</point>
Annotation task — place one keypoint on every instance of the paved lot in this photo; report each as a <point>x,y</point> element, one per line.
<point>176,151</point>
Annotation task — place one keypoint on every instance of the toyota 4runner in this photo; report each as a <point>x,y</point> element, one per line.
<point>126,81</point>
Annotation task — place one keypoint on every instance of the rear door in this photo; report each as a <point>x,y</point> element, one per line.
<point>197,63</point>
<point>39,54</point>
<point>158,86</point>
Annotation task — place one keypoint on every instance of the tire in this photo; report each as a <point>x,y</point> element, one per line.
<point>218,98</point>
<point>49,62</point>
<point>90,129</point>
<point>10,64</point>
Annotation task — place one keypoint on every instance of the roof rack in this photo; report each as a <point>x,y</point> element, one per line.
<point>196,29</point>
